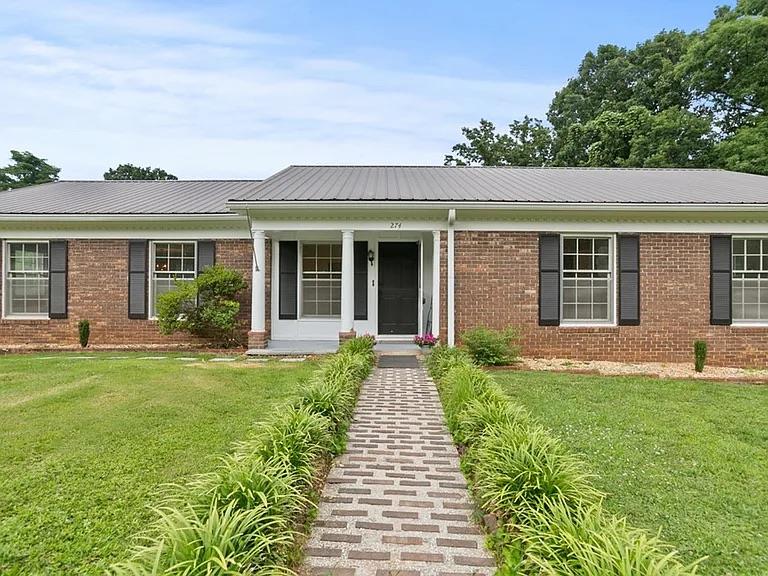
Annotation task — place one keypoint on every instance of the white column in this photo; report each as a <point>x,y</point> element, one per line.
<point>347,281</point>
<point>258,292</point>
<point>436,282</point>
<point>451,306</point>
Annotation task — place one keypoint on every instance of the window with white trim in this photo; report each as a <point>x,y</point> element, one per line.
<point>749,279</point>
<point>171,261</point>
<point>587,279</point>
<point>26,279</point>
<point>321,280</point>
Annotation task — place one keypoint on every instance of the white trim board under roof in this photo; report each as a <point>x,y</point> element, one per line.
<point>462,185</point>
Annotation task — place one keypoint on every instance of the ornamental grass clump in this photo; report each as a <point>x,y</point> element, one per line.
<point>520,467</point>
<point>585,540</point>
<point>550,516</point>
<point>246,516</point>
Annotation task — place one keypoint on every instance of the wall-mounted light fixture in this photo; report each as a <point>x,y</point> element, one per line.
<point>371,256</point>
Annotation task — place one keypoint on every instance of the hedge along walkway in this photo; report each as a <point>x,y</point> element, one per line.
<point>396,503</point>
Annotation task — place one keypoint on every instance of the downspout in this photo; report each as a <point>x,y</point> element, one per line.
<point>253,248</point>
<point>451,307</point>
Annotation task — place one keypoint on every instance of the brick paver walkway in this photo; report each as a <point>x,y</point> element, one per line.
<point>396,503</point>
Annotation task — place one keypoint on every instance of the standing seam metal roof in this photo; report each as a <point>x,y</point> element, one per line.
<point>511,184</point>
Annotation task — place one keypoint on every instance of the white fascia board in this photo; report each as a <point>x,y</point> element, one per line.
<point>617,226</point>
<point>119,217</point>
<point>242,206</point>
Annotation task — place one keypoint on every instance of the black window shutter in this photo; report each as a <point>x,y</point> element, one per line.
<point>57,279</point>
<point>137,279</point>
<point>549,279</point>
<point>361,280</point>
<point>289,264</point>
<point>206,254</point>
<point>629,280</point>
<point>720,279</point>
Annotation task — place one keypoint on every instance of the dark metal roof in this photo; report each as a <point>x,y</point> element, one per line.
<point>506,184</point>
<point>124,197</point>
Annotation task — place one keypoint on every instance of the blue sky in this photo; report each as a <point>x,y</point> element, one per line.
<point>242,89</point>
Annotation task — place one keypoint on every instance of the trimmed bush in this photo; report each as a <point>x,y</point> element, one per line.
<point>245,517</point>
<point>699,355</point>
<point>84,332</point>
<point>492,347</point>
<point>551,516</point>
<point>206,306</point>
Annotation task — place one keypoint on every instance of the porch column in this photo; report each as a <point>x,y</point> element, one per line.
<point>436,283</point>
<point>347,327</point>
<point>257,337</point>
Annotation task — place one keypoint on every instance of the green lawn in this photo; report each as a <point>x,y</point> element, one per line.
<point>84,444</point>
<point>687,457</point>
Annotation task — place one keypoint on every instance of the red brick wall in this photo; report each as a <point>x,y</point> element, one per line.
<point>98,292</point>
<point>497,286</point>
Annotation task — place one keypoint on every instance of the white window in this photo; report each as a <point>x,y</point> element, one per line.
<point>750,280</point>
<point>26,279</point>
<point>321,280</point>
<point>171,261</point>
<point>587,279</point>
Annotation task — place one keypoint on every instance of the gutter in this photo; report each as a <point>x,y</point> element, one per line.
<point>451,279</point>
<point>226,216</point>
<point>240,205</point>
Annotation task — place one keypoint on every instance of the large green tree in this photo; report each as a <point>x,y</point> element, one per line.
<point>26,169</point>
<point>528,143</point>
<point>131,172</point>
<point>675,100</point>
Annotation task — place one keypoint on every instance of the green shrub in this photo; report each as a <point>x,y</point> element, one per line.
<point>584,540</point>
<point>492,347</point>
<point>84,332</point>
<point>205,307</point>
<point>699,355</point>
<point>519,467</point>
<point>359,345</point>
<point>552,520</point>
<point>242,518</point>
<point>442,358</point>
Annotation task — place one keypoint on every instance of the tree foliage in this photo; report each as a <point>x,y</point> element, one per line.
<point>528,143</point>
<point>675,100</point>
<point>27,169</point>
<point>206,306</point>
<point>131,172</point>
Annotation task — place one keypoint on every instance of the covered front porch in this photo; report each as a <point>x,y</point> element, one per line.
<point>321,282</point>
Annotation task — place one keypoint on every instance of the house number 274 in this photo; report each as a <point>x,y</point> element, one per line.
<point>395,225</point>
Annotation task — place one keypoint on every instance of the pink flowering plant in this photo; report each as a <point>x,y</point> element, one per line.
<point>427,339</point>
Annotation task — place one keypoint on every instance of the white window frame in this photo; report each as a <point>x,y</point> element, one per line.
<point>6,263</point>
<point>746,322</point>
<point>612,289</point>
<point>151,271</point>
<point>300,288</point>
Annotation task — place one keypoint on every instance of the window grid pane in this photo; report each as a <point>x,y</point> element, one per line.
<point>749,279</point>
<point>171,261</point>
<point>27,278</point>
<point>321,280</point>
<point>587,284</point>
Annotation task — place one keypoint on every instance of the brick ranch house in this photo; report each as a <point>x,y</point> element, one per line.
<point>618,264</point>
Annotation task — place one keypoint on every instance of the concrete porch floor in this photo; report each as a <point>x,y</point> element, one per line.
<point>316,347</point>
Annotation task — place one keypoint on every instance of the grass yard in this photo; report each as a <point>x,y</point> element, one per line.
<point>84,444</point>
<point>687,457</point>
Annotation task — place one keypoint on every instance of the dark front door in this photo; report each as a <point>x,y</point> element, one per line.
<point>398,287</point>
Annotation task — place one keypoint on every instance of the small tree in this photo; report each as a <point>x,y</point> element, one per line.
<point>206,306</point>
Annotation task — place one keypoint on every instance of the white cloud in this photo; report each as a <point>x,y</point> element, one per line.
<point>206,99</point>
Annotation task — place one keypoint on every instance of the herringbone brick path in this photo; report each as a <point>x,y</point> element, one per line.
<point>396,503</point>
